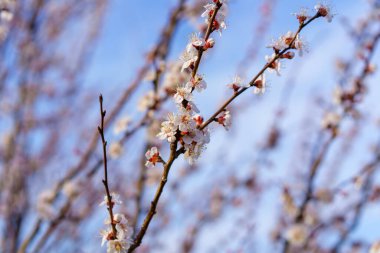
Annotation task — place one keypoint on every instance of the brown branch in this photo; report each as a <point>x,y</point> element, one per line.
<point>252,82</point>
<point>153,205</point>
<point>110,204</point>
<point>207,35</point>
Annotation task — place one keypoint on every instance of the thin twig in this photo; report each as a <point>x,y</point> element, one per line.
<point>110,204</point>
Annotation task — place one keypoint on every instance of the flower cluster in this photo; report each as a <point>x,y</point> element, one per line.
<point>119,242</point>
<point>219,21</point>
<point>184,126</point>
<point>322,9</point>
<point>293,41</point>
<point>195,45</point>
<point>288,41</point>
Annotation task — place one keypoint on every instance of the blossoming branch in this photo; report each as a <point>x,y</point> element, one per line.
<point>187,129</point>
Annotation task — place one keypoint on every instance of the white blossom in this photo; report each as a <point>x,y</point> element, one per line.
<point>300,45</point>
<point>288,38</point>
<point>188,58</point>
<point>194,143</point>
<point>237,83</point>
<point>168,129</point>
<point>124,231</point>
<point>274,66</point>
<point>197,83</point>
<point>219,22</point>
<point>185,122</point>
<point>117,246</point>
<point>209,43</point>
<point>115,199</point>
<point>183,93</point>
<point>260,85</point>
<point>195,42</point>
<point>277,44</point>
<point>106,235</point>
<point>198,119</point>
<point>302,15</point>
<point>152,156</point>
<point>324,10</point>
<point>225,119</point>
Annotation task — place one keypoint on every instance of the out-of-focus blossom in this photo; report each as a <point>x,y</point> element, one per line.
<point>324,195</point>
<point>375,248</point>
<point>115,150</point>
<point>337,95</point>
<point>71,189</point>
<point>45,206</point>
<point>147,101</point>
<point>174,76</point>
<point>122,125</point>
<point>331,120</point>
<point>297,234</point>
